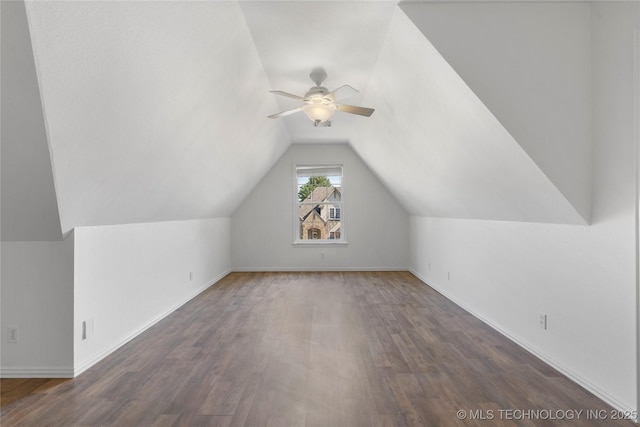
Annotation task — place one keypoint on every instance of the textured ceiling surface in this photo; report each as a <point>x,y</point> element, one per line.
<point>529,63</point>
<point>157,111</point>
<point>445,153</point>
<point>29,211</point>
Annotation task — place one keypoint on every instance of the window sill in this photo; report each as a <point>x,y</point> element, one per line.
<point>311,243</point>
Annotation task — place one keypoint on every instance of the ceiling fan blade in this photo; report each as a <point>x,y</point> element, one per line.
<point>285,113</point>
<point>288,95</point>
<point>341,93</point>
<point>361,111</point>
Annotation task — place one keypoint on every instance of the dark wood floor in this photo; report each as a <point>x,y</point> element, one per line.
<point>314,349</point>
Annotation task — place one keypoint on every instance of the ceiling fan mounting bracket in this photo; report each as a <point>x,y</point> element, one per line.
<point>318,75</point>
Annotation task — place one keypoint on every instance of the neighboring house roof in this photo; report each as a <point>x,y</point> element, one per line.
<point>319,194</point>
<point>305,210</point>
<point>313,215</point>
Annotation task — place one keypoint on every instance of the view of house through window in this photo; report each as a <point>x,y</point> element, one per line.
<point>319,202</point>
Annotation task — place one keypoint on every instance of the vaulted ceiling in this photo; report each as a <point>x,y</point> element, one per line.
<point>123,112</point>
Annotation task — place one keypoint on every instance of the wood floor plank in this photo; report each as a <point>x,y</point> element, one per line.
<point>308,349</point>
<point>13,389</point>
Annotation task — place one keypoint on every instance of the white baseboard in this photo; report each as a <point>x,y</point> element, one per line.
<point>315,269</point>
<point>597,391</point>
<point>89,363</point>
<point>22,372</point>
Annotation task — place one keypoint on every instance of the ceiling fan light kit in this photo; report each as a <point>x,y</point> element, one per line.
<point>319,113</point>
<point>320,103</point>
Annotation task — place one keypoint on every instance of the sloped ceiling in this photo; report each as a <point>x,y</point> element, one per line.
<point>529,63</point>
<point>157,110</point>
<point>29,206</point>
<point>443,153</point>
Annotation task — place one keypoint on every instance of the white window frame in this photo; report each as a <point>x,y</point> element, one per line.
<point>297,241</point>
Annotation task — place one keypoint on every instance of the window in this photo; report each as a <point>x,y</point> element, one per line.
<point>319,204</point>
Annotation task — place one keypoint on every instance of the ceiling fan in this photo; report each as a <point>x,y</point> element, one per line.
<point>320,104</point>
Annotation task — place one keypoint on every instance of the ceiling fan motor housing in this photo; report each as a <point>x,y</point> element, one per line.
<point>318,91</point>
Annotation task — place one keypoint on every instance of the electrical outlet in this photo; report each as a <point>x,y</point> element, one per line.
<point>190,275</point>
<point>448,275</point>
<point>542,321</point>
<point>321,255</point>
<point>87,328</point>
<point>13,334</point>
<point>429,266</point>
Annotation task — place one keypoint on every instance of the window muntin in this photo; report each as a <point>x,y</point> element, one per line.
<point>319,204</point>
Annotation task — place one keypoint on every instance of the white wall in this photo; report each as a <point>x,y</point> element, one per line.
<point>508,273</point>
<point>127,277</point>
<point>37,298</point>
<point>583,278</point>
<point>376,225</point>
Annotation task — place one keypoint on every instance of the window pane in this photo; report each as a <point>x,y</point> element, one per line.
<point>319,188</point>
<point>316,225</point>
<point>319,204</point>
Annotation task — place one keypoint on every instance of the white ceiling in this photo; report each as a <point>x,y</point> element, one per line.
<point>157,110</point>
<point>293,38</point>
<point>444,153</point>
<point>29,210</point>
<point>529,63</point>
